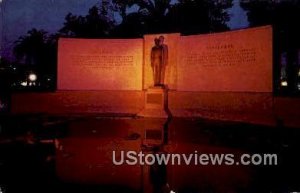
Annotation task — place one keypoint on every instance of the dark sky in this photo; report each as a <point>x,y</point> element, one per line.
<point>19,16</point>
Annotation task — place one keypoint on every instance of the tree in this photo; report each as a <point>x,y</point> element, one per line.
<point>3,63</point>
<point>283,16</point>
<point>29,48</point>
<point>133,25</point>
<point>202,16</point>
<point>161,16</point>
<point>38,50</point>
<point>280,14</point>
<point>149,17</point>
<point>121,6</point>
<point>97,23</point>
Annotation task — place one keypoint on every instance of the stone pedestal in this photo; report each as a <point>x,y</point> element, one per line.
<point>156,103</point>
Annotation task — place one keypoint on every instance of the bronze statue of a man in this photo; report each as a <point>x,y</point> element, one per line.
<point>159,60</point>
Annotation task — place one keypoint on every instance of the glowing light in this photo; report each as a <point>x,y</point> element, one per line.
<point>32,77</point>
<point>2,105</point>
<point>284,83</point>
<point>23,83</point>
<point>172,191</point>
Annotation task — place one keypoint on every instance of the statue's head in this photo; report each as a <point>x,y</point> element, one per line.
<point>157,41</point>
<point>161,39</point>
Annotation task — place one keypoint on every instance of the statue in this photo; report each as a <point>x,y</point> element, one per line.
<point>159,60</point>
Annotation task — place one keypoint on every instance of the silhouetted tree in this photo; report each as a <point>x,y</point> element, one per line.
<point>29,48</point>
<point>3,63</point>
<point>121,6</point>
<point>133,25</point>
<point>149,17</point>
<point>97,23</point>
<point>48,68</point>
<point>283,16</point>
<point>202,16</point>
<point>186,16</point>
<point>38,50</point>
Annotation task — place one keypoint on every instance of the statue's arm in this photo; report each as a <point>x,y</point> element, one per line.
<point>152,57</point>
<point>165,55</point>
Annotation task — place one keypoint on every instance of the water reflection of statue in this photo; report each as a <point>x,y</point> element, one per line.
<point>159,60</point>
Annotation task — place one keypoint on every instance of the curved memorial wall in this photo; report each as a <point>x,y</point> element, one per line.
<point>237,61</point>
<point>224,75</point>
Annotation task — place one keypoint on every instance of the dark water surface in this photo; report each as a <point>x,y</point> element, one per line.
<point>41,153</point>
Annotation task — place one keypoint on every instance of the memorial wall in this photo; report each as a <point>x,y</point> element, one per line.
<point>237,61</point>
<point>100,64</point>
<point>222,75</point>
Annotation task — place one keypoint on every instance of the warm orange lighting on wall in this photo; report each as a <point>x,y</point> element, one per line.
<point>100,64</point>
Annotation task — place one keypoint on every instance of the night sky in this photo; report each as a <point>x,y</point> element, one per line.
<point>19,16</point>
